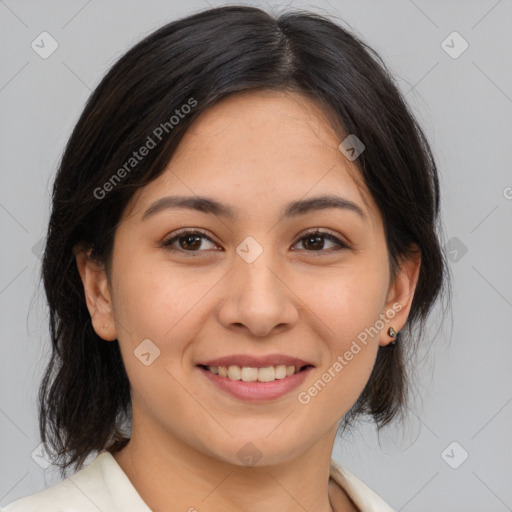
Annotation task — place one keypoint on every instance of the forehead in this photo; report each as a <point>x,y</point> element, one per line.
<point>258,150</point>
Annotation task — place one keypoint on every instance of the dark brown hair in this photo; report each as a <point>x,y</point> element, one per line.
<point>84,397</point>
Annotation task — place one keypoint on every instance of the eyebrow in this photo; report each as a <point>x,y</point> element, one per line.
<point>211,206</point>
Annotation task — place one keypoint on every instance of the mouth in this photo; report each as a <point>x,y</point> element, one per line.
<point>255,383</point>
<point>255,373</point>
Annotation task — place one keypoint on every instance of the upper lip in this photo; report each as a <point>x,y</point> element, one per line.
<point>256,361</point>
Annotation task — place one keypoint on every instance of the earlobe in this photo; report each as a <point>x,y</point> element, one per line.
<point>97,294</point>
<point>400,297</point>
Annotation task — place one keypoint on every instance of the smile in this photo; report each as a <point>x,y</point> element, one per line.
<point>253,384</point>
<point>252,374</point>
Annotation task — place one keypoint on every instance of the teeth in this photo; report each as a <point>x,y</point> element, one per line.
<point>280,371</point>
<point>267,374</point>
<point>234,372</point>
<point>248,374</point>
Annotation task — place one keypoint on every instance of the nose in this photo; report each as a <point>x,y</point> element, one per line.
<point>257,298</point>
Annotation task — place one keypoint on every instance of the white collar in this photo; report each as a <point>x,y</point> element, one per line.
<point>103,485</point>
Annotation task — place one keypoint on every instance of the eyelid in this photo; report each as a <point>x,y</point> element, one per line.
<point>328,235</point>
<point>168,240</point>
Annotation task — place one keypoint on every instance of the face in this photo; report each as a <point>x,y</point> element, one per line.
<point>190,286</point>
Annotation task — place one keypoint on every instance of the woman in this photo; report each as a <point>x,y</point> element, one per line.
<point>244,233</point>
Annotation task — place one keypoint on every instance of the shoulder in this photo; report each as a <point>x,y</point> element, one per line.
<point>85,491</point>
<point>365,498</point>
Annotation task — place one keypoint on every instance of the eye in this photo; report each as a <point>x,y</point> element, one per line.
<point>188,241</point>
<point>315,240</point>
<point>191,241</point>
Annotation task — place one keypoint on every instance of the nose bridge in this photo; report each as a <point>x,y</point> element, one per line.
<point>261,274</point>
<point>257,296</point>
<point>255,269</point>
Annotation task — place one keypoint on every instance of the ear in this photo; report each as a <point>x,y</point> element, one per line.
<point>400,295</point>
<point>97,294</point>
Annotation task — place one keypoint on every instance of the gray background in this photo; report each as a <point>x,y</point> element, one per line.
<point>464,383</point>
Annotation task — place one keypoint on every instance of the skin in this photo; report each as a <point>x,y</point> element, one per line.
<point>256,152</point>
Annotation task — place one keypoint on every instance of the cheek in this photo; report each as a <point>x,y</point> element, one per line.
<point>346,308</point>
<point>348,301</point>
<point>153,315</point>
<point>154,299</point>
<point>167,306</point>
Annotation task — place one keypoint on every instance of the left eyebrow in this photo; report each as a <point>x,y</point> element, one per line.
<point>322,203</point>
<point>211,206</point>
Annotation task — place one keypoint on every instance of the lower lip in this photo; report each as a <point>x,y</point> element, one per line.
<point>257,391</point>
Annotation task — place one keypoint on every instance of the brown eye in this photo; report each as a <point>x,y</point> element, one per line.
<point>187,241</point>
<point>315,241</point>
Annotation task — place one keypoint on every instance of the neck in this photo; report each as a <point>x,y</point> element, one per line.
<point>170,474</point>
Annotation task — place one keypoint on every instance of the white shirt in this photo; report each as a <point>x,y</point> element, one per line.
<point>103,485</point>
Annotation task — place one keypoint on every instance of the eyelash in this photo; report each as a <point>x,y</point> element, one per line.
<point>167,244</point>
